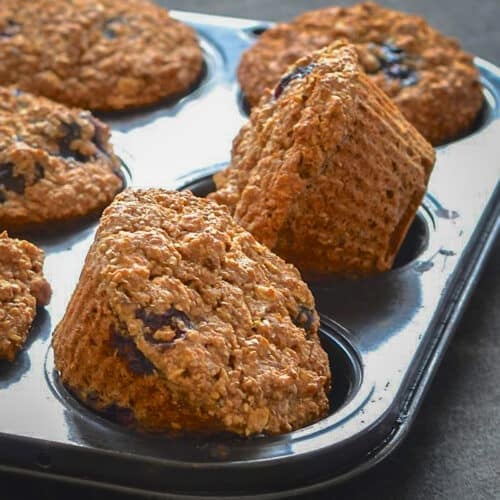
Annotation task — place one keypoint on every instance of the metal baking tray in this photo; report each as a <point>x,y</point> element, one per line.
<point>385,335</point>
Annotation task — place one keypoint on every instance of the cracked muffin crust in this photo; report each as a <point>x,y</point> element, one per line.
<point>427,75</point>
<point>56,163</point>
<point>105,54</point>
<point>182,321</point>
<point>327,173</point>
<point>22,289</point>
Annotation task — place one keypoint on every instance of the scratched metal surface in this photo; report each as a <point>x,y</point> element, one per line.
<point>385,335</point>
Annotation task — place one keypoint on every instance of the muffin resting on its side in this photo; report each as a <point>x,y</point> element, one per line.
<point>327,173</point>
<point>427,75</point>
<point>22,289</point>
<point>181,320</point>
<point>56,163</point>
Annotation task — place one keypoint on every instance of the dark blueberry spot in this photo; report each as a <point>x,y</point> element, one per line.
<point>389,55</point>
<point>400,71</point>
<point>392,47</point>
<point>39,172</point>
<point>12,28</point>
<point>304,318</point>
<point>395,63</point>
<point>16,92</point>
<point>299,72</point>
<point>109,27</point>
<point>127,350</point>
<point>120,415</point>
<point>410,80</point>
<point>10,181</point>
<point>72,132</point>
<point>177,320</point>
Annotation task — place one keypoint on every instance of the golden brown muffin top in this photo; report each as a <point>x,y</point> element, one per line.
<point>105,54</point>
<point>429,77</point>
<point>56,163</point>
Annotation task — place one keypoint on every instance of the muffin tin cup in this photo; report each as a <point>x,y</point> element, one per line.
<point>385,335</point>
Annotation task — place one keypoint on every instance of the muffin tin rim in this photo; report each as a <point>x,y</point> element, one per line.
<point>332,330</point>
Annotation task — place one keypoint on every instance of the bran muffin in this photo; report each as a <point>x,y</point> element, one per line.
<point>22,289</point>
<point>182,321</point>
<point>99,55</point>
<point>427,75</point>
<point>327,172</point>
<point>56,163</point>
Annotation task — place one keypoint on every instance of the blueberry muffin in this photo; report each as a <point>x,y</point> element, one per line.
<point>22,289</point>
<point>100,55</point>
<point>56,163</point>
<point>427,75</point>
<point>327,173</point>
<point>182,321</point>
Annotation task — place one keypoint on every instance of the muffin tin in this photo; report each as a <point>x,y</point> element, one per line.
<point>385,335</point>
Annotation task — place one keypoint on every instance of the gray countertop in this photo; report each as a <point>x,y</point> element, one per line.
<point>453,450</point>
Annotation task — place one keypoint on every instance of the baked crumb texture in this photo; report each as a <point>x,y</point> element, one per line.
<point>22,289</point>
<point>327,172</point>
<point>181,320</point>
<point>56,163</point>
<point>427,75</point>
<point>105,55</point>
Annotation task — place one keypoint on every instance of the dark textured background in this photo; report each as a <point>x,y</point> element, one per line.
<point>453,450</point>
